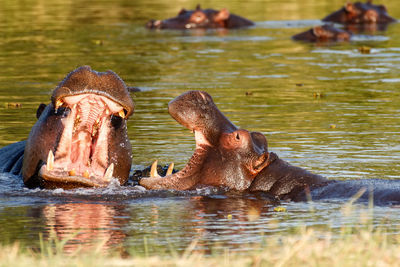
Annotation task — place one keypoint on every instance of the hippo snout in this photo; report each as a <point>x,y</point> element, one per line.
<point>154,24</point>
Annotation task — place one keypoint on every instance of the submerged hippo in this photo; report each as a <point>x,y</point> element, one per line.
<point>324,33</point>
<point>201,19</point>
<point>239,160</point>
<point>360,13</point>
<point>80,138</point>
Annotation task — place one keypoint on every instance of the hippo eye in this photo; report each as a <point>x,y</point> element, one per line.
<point>63,111</point>
<point>116,121</point>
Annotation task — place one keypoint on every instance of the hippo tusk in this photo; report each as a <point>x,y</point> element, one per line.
<point>121,113</point>
<point>170,168</point>
<point>153,170</point>
<point>109,172</point>
<point>59,103</point>
<point>50,161</point>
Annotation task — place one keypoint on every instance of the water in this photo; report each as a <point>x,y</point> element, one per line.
<point>327,108</point>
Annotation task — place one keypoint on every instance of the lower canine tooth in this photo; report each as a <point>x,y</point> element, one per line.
<point>109,172</point>
<point>170,168</point>
<point>72,172</point>
<point>86,174</point>
<point>153,170</point>
<point>50,161</point>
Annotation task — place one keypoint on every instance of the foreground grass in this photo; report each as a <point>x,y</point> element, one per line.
<point>364,248</point>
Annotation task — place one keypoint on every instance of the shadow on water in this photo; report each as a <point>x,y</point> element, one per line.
<point>325,107</point>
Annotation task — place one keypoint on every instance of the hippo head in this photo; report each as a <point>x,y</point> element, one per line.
<point>200,19</point>
<point>80,138</point>
<point>324,33</point>
<point>360,13</point>
<point>225,155</point>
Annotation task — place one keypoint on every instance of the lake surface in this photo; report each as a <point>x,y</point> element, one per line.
<point>324,107</point>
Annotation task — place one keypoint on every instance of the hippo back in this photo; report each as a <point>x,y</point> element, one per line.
<point>11,158</point>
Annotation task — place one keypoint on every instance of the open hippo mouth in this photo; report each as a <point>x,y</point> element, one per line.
<point>224,156</point>
<point>80,139</point>
<point>82,152</point>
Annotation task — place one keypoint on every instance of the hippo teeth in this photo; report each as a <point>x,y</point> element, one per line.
<point>59,103</point>
<point>50,161</point>
<point>109,172</point>
<point>170,168</point>
<point>86,174</point>
<point>121,113</point>
<point>153,170</point>
<point>72,172</point>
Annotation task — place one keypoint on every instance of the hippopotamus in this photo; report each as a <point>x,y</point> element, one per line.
<point>239,160</point>
<point>324,33</point>
<point>80,138</point>
<point>360,13</point>
<point>201,19</point>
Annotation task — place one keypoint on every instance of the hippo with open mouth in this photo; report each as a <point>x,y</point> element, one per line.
<point>239,160</point>
<point>201,19</point>
<point>80,138</point>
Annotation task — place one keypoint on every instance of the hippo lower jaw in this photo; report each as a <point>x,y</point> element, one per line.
<point>81,157</point>
<point>185,178</point>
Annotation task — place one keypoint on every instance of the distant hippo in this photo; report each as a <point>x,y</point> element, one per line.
<point>360,13</point>
<point>80,138</point>
<point>324,33</point>
<point>239,160</point>
<point>201,19</point>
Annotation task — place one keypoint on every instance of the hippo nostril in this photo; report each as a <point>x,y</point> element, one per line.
<point>237,136</point>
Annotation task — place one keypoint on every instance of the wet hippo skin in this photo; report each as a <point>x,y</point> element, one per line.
<point>239,160</point>
<point>324,33</point>
<point>80,138</point>
<point>201,19</point>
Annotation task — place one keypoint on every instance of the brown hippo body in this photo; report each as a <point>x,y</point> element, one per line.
<point>201,19</point>
<point>285,181</point>
<point>324,33</point>
<point>227,156</point>
<point>238,160</point>
<point>80,138</point>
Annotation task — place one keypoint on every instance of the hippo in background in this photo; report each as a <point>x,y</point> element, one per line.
<point>324,33</point>
<point>360,13</point>
<point>239,160</point>
<point>356,18</point>
<point>361,17</point>
<point>80,138</point>
<point>201,19</point>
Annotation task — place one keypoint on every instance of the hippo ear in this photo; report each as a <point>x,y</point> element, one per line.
<point>39,110</point>
<point>133,89</point>
<point>183,11</point>
<point>222,15</point>
<point>349,7</point>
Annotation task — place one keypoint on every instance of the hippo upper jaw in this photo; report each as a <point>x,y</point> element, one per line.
<point>80,138</point>
<point>81,155</point>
